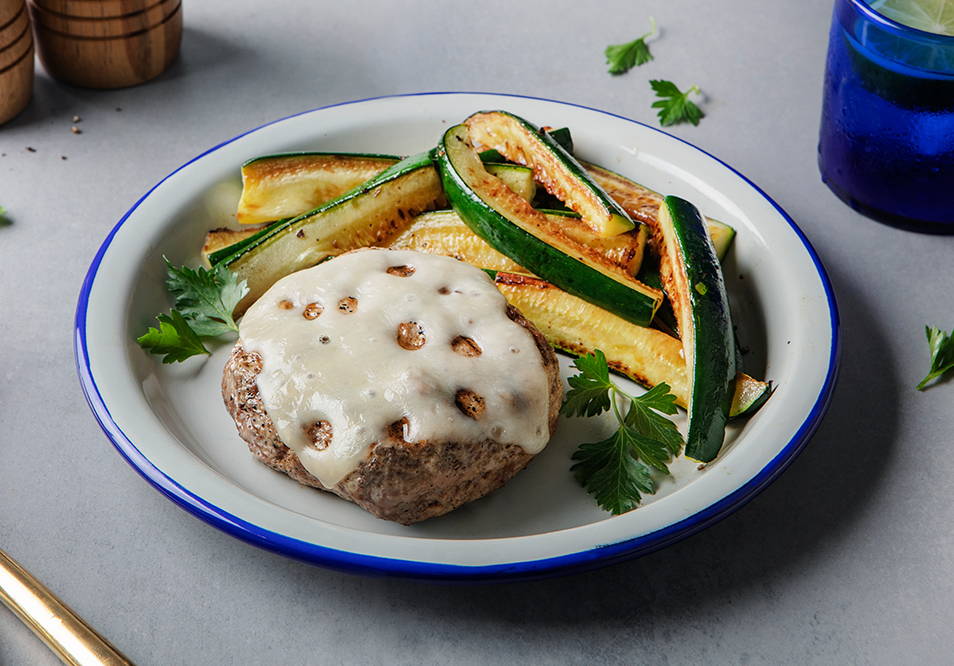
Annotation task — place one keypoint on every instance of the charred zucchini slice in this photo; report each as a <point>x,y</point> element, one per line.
<point>275,187</point>
<point>217,240</point>
<point>642,204</point>
<point>553,167</point>
<point>693,282</point>
<point>514,228</point>
<point>443,232</point>
<point>645,355</point>
<point>371,214</point>
<point>749,395</point>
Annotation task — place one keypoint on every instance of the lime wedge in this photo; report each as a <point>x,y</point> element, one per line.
<point>935,16</point>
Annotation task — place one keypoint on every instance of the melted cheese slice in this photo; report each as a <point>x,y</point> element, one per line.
<point>376,336</point>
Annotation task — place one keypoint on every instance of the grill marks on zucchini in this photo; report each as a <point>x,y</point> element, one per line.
<point>371,214</point>
<point>553,167</point>
<point>530,239</point>
<point>693,281</point>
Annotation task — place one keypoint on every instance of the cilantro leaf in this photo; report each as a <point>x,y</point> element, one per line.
<point>942,354</point>
<point>206,298</point>
<point>623,57</point>
<point>618,470</point>
<point>674,105</point>
<point>174,338</point>
<point>609,472</point>
<point>590,390</point>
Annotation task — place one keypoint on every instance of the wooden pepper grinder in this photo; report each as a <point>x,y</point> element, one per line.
<point>107,43</point>
<point>16,58</point>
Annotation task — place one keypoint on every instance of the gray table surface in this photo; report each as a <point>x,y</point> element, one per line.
<point>847,558</point>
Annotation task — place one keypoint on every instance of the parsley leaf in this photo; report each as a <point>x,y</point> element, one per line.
<point>674,105</point>
<point>643,418</point>
<point>204,301</point>
<point>174,338</point>
<point>942,354</point>
<point>4,220</point>
<point>590,390</point>
<point>206,298</point>
<point>623,57</point>
<point>611,474</point>
<point>617,470</point>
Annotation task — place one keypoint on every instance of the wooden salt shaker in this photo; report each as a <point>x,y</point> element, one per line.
<point>107,43</point>
<point>16,58</point>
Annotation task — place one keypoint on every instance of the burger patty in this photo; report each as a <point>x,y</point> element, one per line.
<point>403,481</point>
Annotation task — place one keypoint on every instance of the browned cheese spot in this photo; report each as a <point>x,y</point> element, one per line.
<point>319,434</point>
<point>401,271</point>
<point>312,311</point>
<point>397,429</point>
<point>470,403</point>
<point>410,335</point>
<point>348,304</point>
<point>466,346</point>
<point>285,304</point>
<point>443,291</point>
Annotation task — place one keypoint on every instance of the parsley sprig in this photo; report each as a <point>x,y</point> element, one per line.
<point>942,354</point>
<point>174,340</point>
<point>619,469</point>
<point>204,301</point>
<point>674,105</point>
<point>623,57</point>
<point>206,298</point>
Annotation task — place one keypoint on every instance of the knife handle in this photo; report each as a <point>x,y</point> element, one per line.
<point>63,631</point>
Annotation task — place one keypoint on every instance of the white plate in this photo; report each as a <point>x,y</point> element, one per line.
<point>170,424</point>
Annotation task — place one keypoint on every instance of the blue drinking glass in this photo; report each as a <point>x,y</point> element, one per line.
<point>887,128</point>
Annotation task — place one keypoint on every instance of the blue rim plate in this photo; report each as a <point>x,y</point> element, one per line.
<point>169,424</point>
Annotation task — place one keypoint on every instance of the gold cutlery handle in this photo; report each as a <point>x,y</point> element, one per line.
<point>63,631</point>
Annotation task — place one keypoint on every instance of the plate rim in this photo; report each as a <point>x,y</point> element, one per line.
<point>376,565</point>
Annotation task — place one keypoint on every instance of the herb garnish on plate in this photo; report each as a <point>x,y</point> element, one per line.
<point>204,301</point>
<point>617,470</point>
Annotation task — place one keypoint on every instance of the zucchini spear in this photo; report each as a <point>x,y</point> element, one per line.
<point>525,235</point>
<point>692,278</point>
